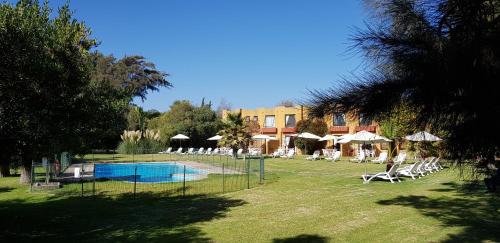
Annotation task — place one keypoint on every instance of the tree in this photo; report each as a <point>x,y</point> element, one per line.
<point>55,95</point>
<point>223,105</point>
<point>286,103</point>
<point>198,123</point>
<point>441,59</point>
<point>130,74</point>
<point>315,126</point>
<point>44,75</point>
<point>395,126</point>
<point>235,133</point>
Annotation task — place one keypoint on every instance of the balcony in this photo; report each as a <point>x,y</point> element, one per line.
<point>366,128</point>
<point>289,130</point>
<point>269,130</point>
<point>339,129</point>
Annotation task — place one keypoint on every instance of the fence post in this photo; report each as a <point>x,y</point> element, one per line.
<point>261,169</point>
<point>81,182</point>
<point>184,182</point>
<point>248,173</point>
<point>93,180</point>
<point>223,181</point>
<point>135,180</point>
<point>32,175</point>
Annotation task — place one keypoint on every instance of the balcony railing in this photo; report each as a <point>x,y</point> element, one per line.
<point>289,130</point>
<point>339,129</point>
<point>272,130</point>
<point>366,128</point>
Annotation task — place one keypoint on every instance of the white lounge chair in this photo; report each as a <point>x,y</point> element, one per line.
<point>400,158</point>
<point>289,155</point>
<point>168,151</point>
<point>410,170</point>
<point>335,156</point>
<point>390,175</point>
<point>230,152</point>
<point>421,168</point>
<point>437,165</point>
<point>201,151</point>
<point>360,158</point>
<point>179,151</point>
<point>209,151</point>
<point>314,156</point>
<point>239,153</point>
<point>190,151</point>
<point>216,151</point>
<point>278,153</point>
<point>382,158</point>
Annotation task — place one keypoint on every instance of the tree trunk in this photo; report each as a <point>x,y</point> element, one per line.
<point>4,170</point>
<point>25,174</point>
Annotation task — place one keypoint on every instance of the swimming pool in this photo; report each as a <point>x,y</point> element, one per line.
<point>146,172</point>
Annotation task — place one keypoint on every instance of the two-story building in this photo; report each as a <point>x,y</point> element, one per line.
<point>280,122</point>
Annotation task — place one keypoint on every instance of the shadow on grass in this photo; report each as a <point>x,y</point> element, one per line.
<point>475,211</point>
<point>149,218</point>
<point>6,189</point>
<point>303,238</point>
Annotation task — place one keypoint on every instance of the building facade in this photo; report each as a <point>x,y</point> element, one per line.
<point>280,122</point>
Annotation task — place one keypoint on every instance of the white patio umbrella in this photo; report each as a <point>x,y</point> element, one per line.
<point>422,136</point>
<point>215,138</point>
<point>329,137</point>
<point>180,137</point>
<point>307,135</point>
<point>364,137</point>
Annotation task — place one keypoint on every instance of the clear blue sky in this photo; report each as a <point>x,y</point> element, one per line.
<point>250,53</point>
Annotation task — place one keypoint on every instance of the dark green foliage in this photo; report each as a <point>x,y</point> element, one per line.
<point>314,126</point>
<point>54,94</point>
<point>442,59</point>
<point>198,123</point>
<point>44,79</point>
<point>130,74</point>
<point>235,133</point>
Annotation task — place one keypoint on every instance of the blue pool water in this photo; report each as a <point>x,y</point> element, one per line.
<point>146,172</point>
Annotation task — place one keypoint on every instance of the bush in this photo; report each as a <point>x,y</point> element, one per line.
<point>134,142</point>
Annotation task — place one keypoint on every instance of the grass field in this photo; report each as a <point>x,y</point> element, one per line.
<point>301,201</point>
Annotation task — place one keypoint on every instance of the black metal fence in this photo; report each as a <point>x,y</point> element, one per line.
<point>161,174</point>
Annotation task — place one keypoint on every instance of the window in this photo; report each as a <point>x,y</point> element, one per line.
<point>339,119</point>
<point>290,120</point>
<point>247,119</point>
<point>256,119</point>
<point>364,121</point>
<point>269,122</point>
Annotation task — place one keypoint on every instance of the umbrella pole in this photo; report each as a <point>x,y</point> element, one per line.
<point>364,158</point>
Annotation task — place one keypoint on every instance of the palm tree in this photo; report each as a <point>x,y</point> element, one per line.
<point>235,133</point>
<point>441,58</point>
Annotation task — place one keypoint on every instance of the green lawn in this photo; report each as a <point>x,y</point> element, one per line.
<point>302,201</point>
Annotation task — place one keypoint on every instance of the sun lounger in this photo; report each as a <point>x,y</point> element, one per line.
<point>390,175</point>
<point>278,153</point>
<point>381,158</point>
<point>314,156</point>
<point>335,156</point>
<point>360,158</point>
<point>289,155</point>
<point>179,151</point>
<point>168,151</point>
<point>190,151</point>
<point>410,170</point>
<point>216,151</point>
<point>209,151</point>
<point>201,151</point>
